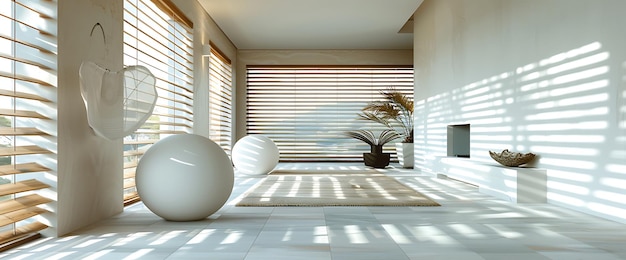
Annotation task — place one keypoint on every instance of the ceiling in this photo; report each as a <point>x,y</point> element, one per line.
<point>315,24</point>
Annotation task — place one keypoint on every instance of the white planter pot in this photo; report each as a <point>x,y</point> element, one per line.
<point>405,154</point>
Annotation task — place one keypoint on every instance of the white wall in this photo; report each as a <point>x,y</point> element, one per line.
<point>89,167</point>
<point>547,77</point>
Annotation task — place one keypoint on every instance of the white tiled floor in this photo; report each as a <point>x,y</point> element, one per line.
<point>467,226</point>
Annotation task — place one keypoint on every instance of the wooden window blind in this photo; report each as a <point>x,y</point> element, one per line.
<point>154,38</point>
<point>27,128</point>
<point>220,99</point>
<point>305,110</point>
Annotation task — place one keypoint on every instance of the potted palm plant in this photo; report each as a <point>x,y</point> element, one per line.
<point>375,158</point>
<point>396,112</point>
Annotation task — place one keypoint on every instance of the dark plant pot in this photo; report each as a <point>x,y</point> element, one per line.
<point>376,149</point>
<point>376,160</point>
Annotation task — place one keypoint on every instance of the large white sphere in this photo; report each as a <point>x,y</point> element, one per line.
<point>255,155</point>
<point>184,177</point>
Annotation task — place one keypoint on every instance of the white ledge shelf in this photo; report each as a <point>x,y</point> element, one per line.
<point>515,184</point>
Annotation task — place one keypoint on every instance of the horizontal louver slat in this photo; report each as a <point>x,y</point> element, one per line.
<point>137,142</point>
<point>130,198</point>
<point>23,150</point>
<point>167,124</point>
<point>22,168</point>
<point>25,78</point>
<point>28,44</point>
<point>129,173</point>
<point>25,61</point>
<point>22,186</point>
<point>21,231</point>
<point>21,113</point>
<point>10,93</point>
<point>19,215</point>
<point>21,203</point>
<point>129,183</point>
<point>169,132</point>
<point>21,131</point>
<point>133,153</point>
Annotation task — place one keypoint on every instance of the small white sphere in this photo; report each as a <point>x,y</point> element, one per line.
<point>255,155</point>
<point>184,177</point>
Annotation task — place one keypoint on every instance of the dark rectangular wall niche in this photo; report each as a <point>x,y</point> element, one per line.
<point>459,140</point>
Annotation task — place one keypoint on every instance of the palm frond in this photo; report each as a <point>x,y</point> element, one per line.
<point>375,118</point>
<point>402,102</point>
<point>364,135</point>
<point>370,138</point>
<point>386,110</point>
<point>395,111</point>
<point>387,136</point>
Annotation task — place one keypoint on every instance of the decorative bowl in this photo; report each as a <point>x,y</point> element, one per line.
<point>512,159</point>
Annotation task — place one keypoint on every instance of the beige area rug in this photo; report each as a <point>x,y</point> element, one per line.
<point>344,188</point>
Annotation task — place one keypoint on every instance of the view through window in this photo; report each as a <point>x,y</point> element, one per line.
<point>305,110</point>
<point>27,115</point>
<point>158,37</point>
<point>220,99</point>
